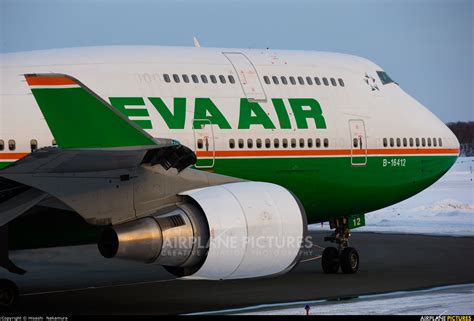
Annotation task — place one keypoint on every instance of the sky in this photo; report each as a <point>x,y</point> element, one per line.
<point>424,45</point>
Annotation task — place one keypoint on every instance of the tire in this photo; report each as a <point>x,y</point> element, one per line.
<point>330,260</point>
<point>8,294</point>
<point>349,260</point>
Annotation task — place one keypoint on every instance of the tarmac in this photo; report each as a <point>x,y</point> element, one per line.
<point>77,280</point>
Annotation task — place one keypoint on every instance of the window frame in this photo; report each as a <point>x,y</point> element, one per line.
<point>33,144</point>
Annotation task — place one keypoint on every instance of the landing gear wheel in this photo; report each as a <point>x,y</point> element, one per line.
<point>8,294</point>
<point>330,260</point>
<point>349,260</point>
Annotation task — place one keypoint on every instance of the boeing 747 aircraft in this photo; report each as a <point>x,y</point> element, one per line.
<point>211,162</point>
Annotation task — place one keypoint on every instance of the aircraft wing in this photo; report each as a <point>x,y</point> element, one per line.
<point>97,147</point>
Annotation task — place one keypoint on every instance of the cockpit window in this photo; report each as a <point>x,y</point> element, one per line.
<point>384,78</point>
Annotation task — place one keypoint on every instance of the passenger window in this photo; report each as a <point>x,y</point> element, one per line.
<point>417,141</point>
<point>185,78</point>
<point>301,142</point>
<point>266,80</point>
<point>325,81</point>
<point>276,143</point>
<point>284,143</point>
<point>166,77</point>
<point>33,145</point>
<point>392,142</point>
<point>310,143</point>
<point>275,80</point>
<point>423,142</point>
<point>399,143</point>
<point>440,142</point>
<point>292,80</point>
<point>267,143</point>
<point>176,78</point>
<point>204,79</point>
<point>318,142</point>
<point>341,82</point>
<point>195,79</point>
<point>301,80</point>
<point>2,144</point>
<point>404,142</point>
<point>309,80</point>
<point>249,143</point>
<point>283,80</point>
<point>241,143</point>
<point>411,142</point>
<point>435,143</point>
<point>355,142</point>
<point>429,141</point>
<point>385,143</point>
<point>317,81</point>
<point>333,82</point>
<point>326,142</point>
<point>213,79</point>
<point>232,143</point>
<point>11,144</point>
<point>231,79</point>
<point>200,143</point>
<point>293,143</point>
<point>259,143</point>
<point>222,79</point>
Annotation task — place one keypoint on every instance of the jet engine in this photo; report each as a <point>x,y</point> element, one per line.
<point>230,231</point>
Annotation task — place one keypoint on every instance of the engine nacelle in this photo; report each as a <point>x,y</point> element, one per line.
<point>230,231</point>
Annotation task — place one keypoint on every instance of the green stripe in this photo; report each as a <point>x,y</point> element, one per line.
<point>4,164</point>
<point>331,187</point>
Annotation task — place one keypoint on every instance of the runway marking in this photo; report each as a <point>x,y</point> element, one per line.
<point>311,259</point>
<point>98,287</point>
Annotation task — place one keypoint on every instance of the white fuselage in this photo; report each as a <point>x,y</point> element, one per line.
<point>364,118</point>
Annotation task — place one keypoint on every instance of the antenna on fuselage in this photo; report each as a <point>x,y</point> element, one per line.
<point>196,42</point>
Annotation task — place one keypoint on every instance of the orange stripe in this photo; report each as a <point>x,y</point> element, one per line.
<point>326,152</point>
<point>12,155</point>
<point>314,152</point>
<point>49,81</point>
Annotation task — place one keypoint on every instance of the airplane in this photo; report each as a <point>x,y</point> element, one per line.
<point>211,162</point>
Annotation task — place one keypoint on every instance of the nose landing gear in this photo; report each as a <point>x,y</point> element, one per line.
<point>345,257</point>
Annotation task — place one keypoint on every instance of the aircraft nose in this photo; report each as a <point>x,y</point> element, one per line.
<point>453,142</point>
<point>452,148</point>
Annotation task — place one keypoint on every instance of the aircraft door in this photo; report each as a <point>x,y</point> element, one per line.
<point>358,142</point>
<point>204,145</point>
<point>247,74</point>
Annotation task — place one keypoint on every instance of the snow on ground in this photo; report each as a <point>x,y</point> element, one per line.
<point>448,300</point>
<point>445,208</point>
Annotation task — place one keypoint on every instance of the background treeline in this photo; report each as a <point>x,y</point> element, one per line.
<point>464,131</point>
